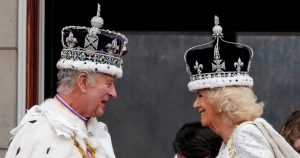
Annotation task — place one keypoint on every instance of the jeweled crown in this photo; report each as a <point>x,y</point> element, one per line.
<point>93,48</point>
<point>218,63</point>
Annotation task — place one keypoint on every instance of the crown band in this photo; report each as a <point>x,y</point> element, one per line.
<point>238,80</point>
<point>217,75</point>
<point>90,66</point>
<point>98,57</point>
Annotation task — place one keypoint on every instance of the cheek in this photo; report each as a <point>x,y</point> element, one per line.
<point>96,93</point>
<point>205,104</point>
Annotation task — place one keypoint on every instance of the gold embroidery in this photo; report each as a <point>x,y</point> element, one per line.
<point>79,148</point>
<point>90,149</point>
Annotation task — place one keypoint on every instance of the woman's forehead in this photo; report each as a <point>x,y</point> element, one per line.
<point>205,90</point>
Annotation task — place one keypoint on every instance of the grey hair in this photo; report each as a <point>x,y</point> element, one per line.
<point>66,79</point>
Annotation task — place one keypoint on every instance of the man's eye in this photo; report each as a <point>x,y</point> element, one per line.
<point>109,84</point>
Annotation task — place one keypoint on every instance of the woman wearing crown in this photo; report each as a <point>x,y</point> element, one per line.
<point>219,73</point>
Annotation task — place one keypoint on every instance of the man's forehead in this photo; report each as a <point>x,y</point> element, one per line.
<point>107,77</point>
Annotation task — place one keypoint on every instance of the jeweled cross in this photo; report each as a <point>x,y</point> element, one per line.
<point>218,65</point>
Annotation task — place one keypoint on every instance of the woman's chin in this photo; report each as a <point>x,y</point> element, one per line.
<point>203,122</point>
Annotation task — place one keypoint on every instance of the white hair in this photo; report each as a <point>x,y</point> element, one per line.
<point>66,79</point>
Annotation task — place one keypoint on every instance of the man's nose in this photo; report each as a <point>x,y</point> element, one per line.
<point>113,91</point>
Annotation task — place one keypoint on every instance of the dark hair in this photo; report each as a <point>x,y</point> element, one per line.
<point>195,141</point>
<point>291,128</point>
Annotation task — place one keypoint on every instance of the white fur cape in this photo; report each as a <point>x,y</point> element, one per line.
<point>46,131</point>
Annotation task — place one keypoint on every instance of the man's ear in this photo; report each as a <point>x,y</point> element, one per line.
<point>82,81</point>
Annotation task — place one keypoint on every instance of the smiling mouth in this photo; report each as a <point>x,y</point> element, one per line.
<point>104,102</point>
<point>201,111</point>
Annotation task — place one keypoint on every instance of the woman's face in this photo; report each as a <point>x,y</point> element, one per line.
<point>205,108</point>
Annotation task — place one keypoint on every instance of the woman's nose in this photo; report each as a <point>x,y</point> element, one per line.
<point>196,104</point>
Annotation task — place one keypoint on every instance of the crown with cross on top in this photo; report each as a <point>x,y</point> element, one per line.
<point>218,63</point>
<point>93,48</point>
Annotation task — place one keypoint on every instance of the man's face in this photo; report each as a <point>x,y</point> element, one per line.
<point>98,94</point>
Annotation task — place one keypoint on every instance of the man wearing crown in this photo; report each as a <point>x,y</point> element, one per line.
<point>66,126</point>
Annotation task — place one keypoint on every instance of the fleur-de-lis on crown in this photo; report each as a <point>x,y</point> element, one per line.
<point>198,67</point>
<point>238,65</point>
<point>112,47</point>
<point>71,41</point>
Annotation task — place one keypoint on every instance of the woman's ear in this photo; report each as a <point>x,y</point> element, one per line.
<point>82,82</point>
